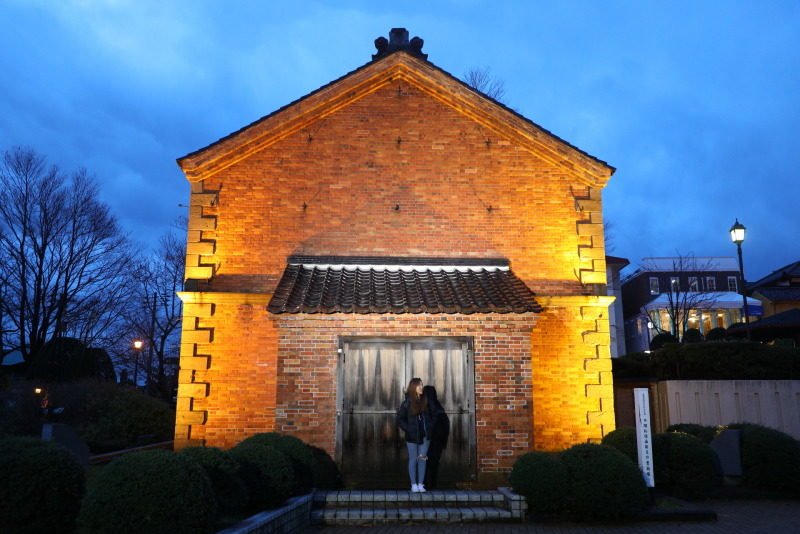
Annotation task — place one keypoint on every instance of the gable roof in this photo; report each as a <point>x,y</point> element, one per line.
<point>785,273</point>
<point>365,285</point>
<point>386,69</point>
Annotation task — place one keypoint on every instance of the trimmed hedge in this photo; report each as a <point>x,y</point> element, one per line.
<point>686,466</point>
<point>712,360</point>
<point>149,492</point>
<point>298,452</point>
<point>770,459</point>
<point>683,465</point>
<point>267,472</point>
<point>624,440</point>
<point>543,479</point>
<point>706,434</point>
<point>41,486</point>
<point>603,483</point>
<point>326,472</point>
<point>224,473</point>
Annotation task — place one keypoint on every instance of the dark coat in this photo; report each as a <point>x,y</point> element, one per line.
<point>416,427</point>
<point>440,426</point>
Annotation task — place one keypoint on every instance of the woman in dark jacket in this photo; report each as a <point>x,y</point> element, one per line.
<point>414,419</point>
<point>440,432</point>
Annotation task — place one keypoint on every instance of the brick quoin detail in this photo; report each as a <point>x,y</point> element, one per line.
<point>395,159</point>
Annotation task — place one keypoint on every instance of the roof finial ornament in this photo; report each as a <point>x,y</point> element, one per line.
<point>398,40</point>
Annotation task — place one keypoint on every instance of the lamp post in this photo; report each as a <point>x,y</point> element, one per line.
<point>137,349</point>
<point>737,236</point>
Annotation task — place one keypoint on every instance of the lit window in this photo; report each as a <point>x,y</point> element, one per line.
<point>674,283</point>
<point>732,285</point>
<point>694,285</point>
<point>654,290</point>
<point>711,283</point>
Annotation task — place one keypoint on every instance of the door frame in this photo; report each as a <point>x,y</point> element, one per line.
<point>469,341</point>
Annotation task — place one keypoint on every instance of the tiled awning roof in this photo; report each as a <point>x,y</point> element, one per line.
<point>335,284</point>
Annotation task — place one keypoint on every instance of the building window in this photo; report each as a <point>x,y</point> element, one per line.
<point>732,285</point>
<point>694,285</point>
<point>654,286</point>
<point>674,283</point>
<point>711,283</point>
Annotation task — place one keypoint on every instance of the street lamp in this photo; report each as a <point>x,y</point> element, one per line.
<point>137,349</point>
<point>737,236</point>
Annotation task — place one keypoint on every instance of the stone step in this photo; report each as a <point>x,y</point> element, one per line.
<point>401,514</point>
<point>396,498</point>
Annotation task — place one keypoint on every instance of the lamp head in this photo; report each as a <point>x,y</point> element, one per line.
<point>137,344</point>
<point>737,232</point>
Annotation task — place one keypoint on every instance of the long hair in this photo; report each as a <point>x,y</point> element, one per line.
<point>416,402</point>
<point>431,399</point>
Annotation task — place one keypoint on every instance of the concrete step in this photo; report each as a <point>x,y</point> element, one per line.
<point>440,498</point>
<point>366,507</point>
<point>402,514</point>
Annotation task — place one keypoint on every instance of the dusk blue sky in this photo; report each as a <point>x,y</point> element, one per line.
<point>697,104</point>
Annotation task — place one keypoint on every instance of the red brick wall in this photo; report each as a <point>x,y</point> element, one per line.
<point>396,173</point>
<point>442,174</point>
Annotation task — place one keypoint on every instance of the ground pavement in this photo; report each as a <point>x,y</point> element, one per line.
<point>734,517</point>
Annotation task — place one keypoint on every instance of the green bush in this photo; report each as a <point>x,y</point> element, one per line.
<point>624,440</point>
<point>65,359</point>
<point>543,479</point>
<point>149,492</point>
<point>770,459</point>
<point>686,467</point>
<point>693,335</point>
<point>267,472</point>
<point>726,360</point>
<point>660,340</point>
<point>224,473</point>
<point>298,452</point>
<point>716,334</point>
<point>41,486</point>
<point>634,365</point>
<point>706,434</point>
<point>326,472</point>
<point>603,483</point>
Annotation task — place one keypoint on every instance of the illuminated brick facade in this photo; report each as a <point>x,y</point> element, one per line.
<point>397,158</point>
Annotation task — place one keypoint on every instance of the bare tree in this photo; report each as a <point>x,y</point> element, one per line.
<point>482,81</point>
<point>155,315</point>
<point>65,260</point>
<point>684,295</point>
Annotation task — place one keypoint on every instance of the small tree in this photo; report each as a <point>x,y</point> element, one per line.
<point>681,298</point>
<point>482,81</point>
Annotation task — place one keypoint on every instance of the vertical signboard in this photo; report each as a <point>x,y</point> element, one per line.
<point>644,442</point>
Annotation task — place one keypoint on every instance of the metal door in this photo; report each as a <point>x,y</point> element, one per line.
<point>373,374</point>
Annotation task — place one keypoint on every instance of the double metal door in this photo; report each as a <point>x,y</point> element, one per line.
<point>373,376</point>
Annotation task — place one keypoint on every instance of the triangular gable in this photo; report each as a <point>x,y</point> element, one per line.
<point>398,66</point>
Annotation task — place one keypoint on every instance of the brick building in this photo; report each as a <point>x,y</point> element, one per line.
<point>395,223</point>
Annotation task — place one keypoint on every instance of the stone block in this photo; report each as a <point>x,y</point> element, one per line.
<point>190,418</point>
<point>198,310</point>
<point>194,390</point>
<point>197,363</point>
<point>592,277</point>
<point>202,247</point>
<point>196,336</point>
<point>203,223</point>
<point>199,273</point>
<point>203,199</point>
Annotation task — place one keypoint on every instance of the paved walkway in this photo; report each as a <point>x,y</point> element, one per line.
<point>734,516</point>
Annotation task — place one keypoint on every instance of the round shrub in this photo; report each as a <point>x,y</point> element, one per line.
<point>770,459</point>
<point>693,335</point>
<point>149,492</point>
<point>298,452</point>
<point>687,466</point>
<point>224,473</point>
<point>41,486</point>
<point>603,483</point>
<point>267,472</point>
<point>542,478</point>
<point>716,334</point>
<point>706,434</point>
<point>624,440</point>
<point>326,472</point>
<point>660,340</point>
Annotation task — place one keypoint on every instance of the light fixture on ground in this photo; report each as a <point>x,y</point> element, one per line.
<point>737,236</point>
